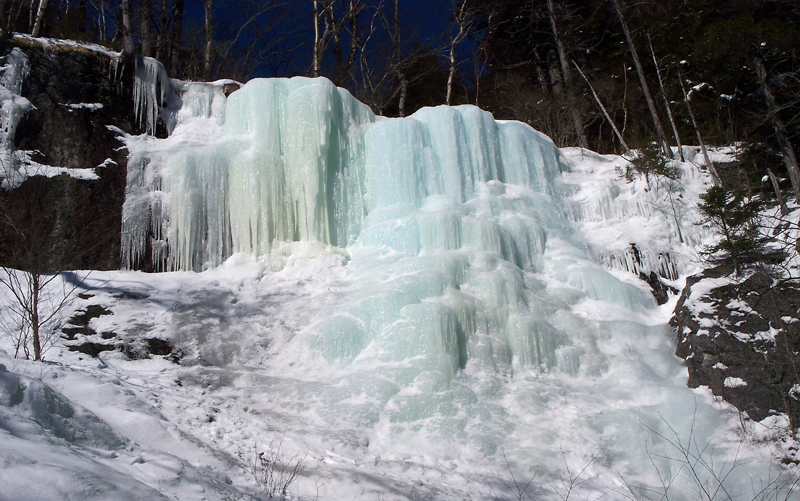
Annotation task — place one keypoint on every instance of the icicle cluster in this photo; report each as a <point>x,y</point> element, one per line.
<point>12,107</point>
<point>151,87</point>
<point>638,261</point>
<point>302,160</point>
<point>448,215</point>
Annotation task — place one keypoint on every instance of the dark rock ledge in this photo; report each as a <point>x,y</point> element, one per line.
<point>742,340</point>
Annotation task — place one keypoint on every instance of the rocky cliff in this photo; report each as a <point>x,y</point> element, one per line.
<point>741,338</point>
<point>77,94</point>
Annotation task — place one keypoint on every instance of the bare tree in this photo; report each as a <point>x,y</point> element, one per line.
<point>127,34</point>
<point>789,156</point>
<point>394,64</point>
<point>236,57</point>
<point>651,105</point>
<point>463,18</point>
<point>39,16</point>
<point>666,101</point>
<point>208,55</point>
<point>336,24</point>
<point>147,46</point>
<point>402,79</point>
<point>603,110</point>
<point>321,9</point>
<point>36,290</point>
<point>348,23</point>
<point>703,149</point>
<point>567,78</point>
<point>175,38</point>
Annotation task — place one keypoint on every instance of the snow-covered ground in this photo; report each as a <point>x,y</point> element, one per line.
<point>459,316</point>
<point>79,427</point>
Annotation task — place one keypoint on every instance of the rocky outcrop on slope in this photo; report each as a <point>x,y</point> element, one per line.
<point>741,339</point>
<point>77,93</point>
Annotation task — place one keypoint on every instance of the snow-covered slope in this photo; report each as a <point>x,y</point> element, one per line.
<point>438,307</point>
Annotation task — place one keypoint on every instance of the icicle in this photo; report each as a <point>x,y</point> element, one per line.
<point>151,85</point>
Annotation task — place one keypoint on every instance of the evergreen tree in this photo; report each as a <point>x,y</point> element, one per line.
<point>735,218</point>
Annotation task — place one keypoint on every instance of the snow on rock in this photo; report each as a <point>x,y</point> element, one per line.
<point>85,106</point>
<point>54,44</point>
<point>16,166</point>
<point>734,382</point>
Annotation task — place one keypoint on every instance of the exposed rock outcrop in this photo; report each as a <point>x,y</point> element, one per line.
<point>741,338</point>
<point>77,93</point>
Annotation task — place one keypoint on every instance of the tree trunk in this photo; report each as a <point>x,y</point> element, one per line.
<point>666,102</point>
<point>34,314</point>
<point>162,40</point>
<point>104,30</point>
<point>778,193</point>
<point>317,56</point>
<point>397,49</point>
<point>603,109</point>
<point>463,28</point>
<point>709,165</point>
<point>39,17</point>
<point>539,71</point>
<point>175,42</point>
<point>643,81</point>
<point>127,35</point>
<point>146,33</point>
<point>789,157</point>
<point>562,58</point>
<point>209,48</point>
<point>452,73</point>
<point>31,10</point>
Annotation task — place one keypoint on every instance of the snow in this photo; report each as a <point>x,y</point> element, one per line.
<point>85,106</point>
<point>768,335</point>
<point>734,382</point>
<point>57,42</point>
<point>251,376</point>
<point>421,308</point>
<point>631,226</point>
<point>739,305</point>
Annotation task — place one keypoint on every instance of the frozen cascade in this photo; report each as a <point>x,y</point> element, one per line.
<point>660,219</point>
<point>14,70</point>
<point>467,307</point>
<point>151,90</point>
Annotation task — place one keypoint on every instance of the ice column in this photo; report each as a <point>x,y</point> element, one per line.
<point>12,108</point>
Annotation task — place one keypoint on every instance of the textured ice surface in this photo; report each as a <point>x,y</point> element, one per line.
<point>418,304</point>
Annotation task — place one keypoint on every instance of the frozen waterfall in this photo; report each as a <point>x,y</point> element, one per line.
<point>454,303</point>
<point>457,208</point>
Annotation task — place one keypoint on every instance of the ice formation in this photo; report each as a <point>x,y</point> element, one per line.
<point>448,214</point>
<point>422,307</point>
<point>151,90</point>
<point>12,107</point>
<point>447,297</point>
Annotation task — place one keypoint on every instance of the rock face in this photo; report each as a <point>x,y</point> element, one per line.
<point>77,95</point>
<point>742,339</point>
